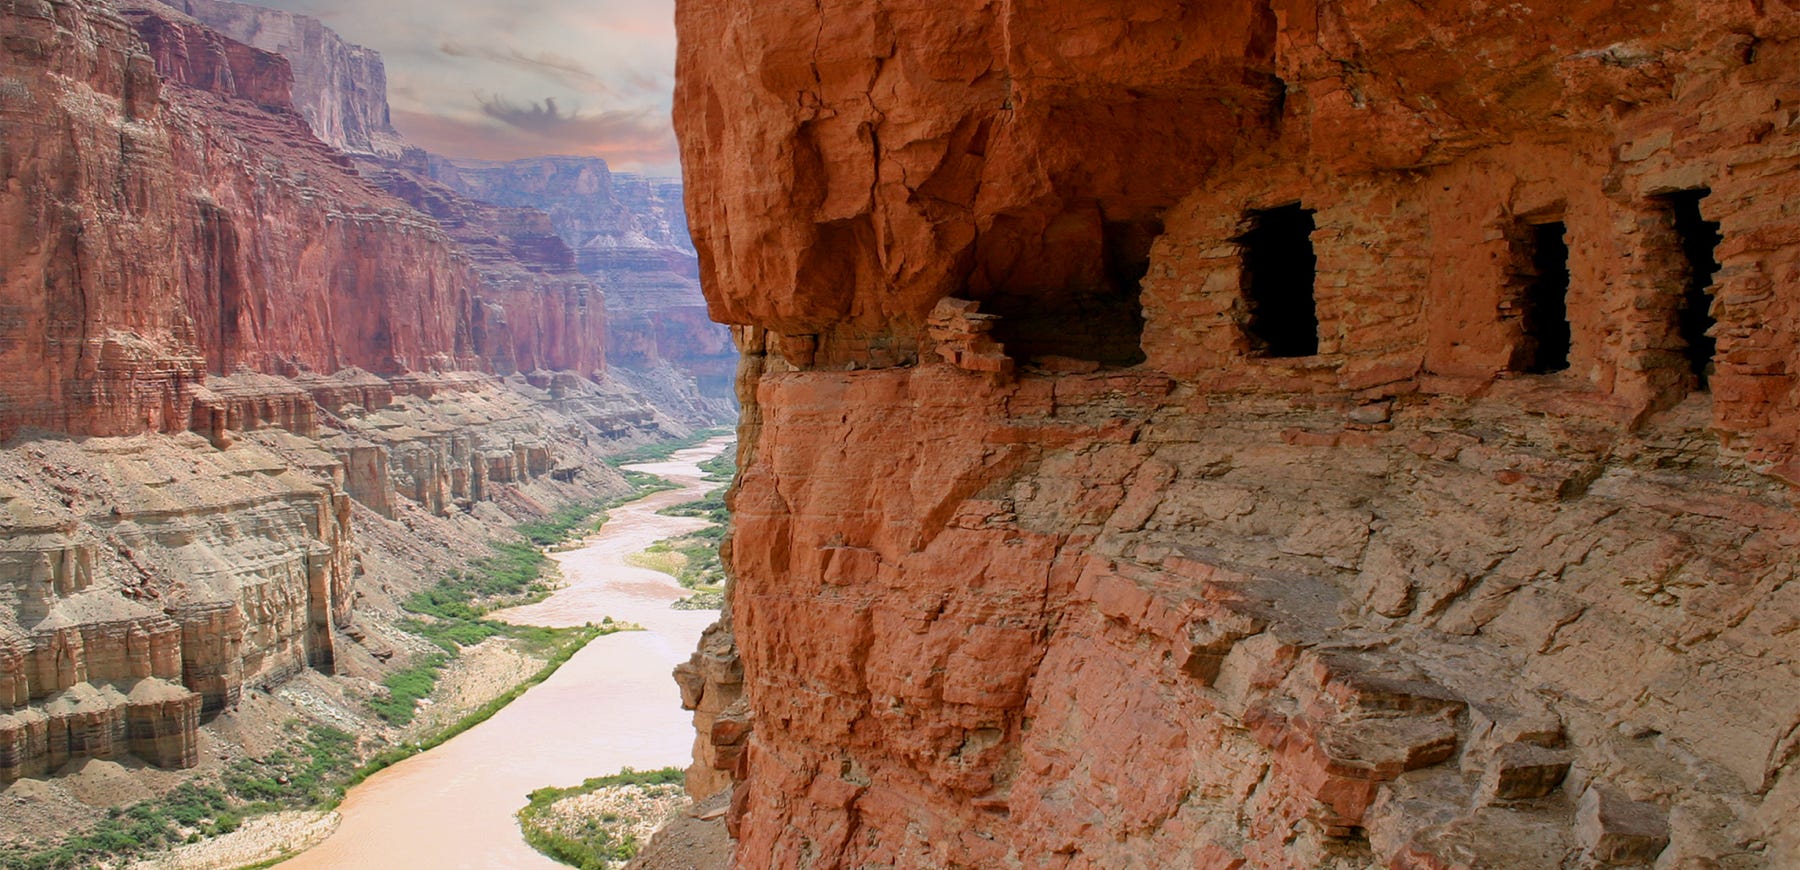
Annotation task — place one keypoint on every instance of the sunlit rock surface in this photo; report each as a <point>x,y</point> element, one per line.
<point>1140,562</point>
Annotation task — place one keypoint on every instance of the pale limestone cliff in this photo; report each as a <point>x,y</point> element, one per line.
<point>340,88</point>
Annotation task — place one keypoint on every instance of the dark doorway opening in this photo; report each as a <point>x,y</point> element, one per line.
<point>1278,273</point>
<point>1544,301</point>
<point>1694,320</point>
<point>1085,300</point>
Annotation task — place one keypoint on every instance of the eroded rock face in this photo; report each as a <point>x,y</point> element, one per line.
<point>153,579</point>
<point>629,233</point>
<point>340,88</point>
<point>1171,566</point>
<point>225,353</point>
<point>536,310</point>
<point>157,578</point>
<point>159,228</point>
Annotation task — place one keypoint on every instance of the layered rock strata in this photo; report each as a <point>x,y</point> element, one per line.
<point>630,234</point>
<point>241,242</point>
<point>536,312</point>
<point>1371,446</point>
<point>340,88</point>
<point>157,578</point>
<point>225,353</point>
<point>161,228</point>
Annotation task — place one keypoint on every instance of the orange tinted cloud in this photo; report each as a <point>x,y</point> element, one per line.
<point>625,140</point>
<point>522,79</point>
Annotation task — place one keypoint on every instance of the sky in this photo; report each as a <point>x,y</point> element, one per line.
<point>524,78</point>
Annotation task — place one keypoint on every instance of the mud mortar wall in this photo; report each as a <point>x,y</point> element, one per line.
<point>1006,596</point>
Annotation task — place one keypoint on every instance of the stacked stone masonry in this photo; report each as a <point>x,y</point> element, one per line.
<point>1398,601</point>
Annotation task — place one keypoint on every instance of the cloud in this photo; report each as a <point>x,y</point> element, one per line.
<point>548,120</point>
<point>565,71</point>
<point>623,139</point>
<point>525,78</point>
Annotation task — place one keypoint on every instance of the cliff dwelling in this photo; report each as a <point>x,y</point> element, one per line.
<point>1446,519</point>
<point>1279,435</point>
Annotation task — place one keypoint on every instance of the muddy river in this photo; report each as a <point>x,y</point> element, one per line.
<point>613,705</point>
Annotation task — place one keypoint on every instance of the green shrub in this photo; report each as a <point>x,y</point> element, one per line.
<point>130,831</point>
<point>597,847</point>
<point>318,765</point>
<point>711,506</point>
<point>663,449</point>
<point>406,688</point>
<point>721,468</point>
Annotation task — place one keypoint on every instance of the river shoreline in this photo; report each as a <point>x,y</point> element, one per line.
<point>612,705</point>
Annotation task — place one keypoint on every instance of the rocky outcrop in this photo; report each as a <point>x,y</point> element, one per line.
<point>1371,447</point>
<point>340,88</point>
<point>158,578</point>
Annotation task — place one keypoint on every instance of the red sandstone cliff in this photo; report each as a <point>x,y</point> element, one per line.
<point>1159,450</point>
<point>180,258</point>
<point>536,310</point>
<point>163,227</point>
<point>533,309</point>
<point>241,241</point>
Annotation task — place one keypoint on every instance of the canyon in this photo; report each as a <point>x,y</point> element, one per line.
<point>263,378</point>
<point>628,232</point>
<point>1253,435</point>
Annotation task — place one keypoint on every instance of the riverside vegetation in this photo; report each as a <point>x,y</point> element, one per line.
<point>451,614</point>
<point>601,823</point>
<point>321,762</point>
<point>693,559</point>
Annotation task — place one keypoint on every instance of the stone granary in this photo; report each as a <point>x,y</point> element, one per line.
<point>1228,435</point>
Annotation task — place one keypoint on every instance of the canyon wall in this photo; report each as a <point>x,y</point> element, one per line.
<point>221,235</point>
<point>168,214</point>
<point>1280,435</point>
<point>534,309</point>
<point>630,234</point>
<point>537,311</point>
<point>235,364</point>
<point>340,88</point>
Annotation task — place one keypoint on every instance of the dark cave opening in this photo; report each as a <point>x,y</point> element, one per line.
<point>1693,319</point>
<point>1098,317</point>
<point>1544,300</point>
<point>1279,269</point>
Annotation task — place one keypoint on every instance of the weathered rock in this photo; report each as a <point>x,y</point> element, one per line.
<point>535,310</point>
<point>243,243</point>
<point>1619,831</point>
<point>629,233</point>
<point>238,242</point>
<point>1523,771</point>
<point>158,578</point>
<point>340,88</point>
<point>1168,598</point>
<point>262,338</point>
